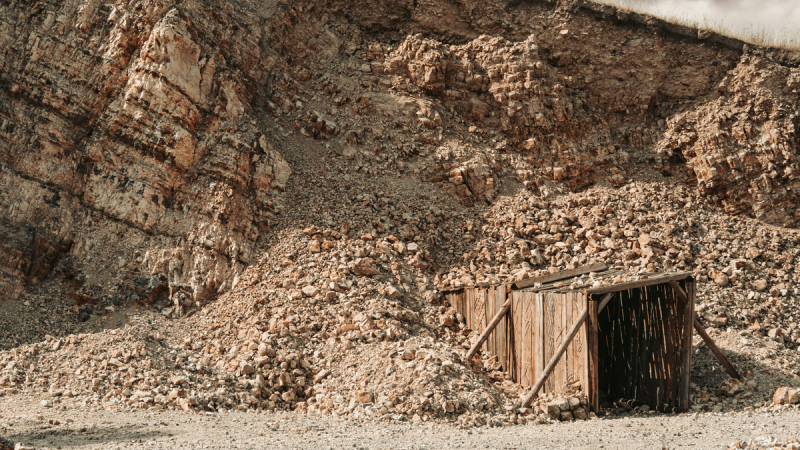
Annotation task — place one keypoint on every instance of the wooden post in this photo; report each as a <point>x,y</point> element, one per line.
<point>717,352</point>
<point>557,355</point>
<point>594,367</point>
<point>706,338</point>
<point>686,346</point>
<point>489,329</point>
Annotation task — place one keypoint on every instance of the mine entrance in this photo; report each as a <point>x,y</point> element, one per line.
<point>641,351</point>
<point>628,341</point>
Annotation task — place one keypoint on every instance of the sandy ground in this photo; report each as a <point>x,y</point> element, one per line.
<point>24,421</point>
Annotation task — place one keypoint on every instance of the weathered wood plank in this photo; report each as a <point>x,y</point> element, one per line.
<point>641,385</point>
<point>630,356</point>
<point>686,363</point>
<point>669,382</point>
<point>468,301</point>
<point>480,313</point>
<point>599,267</point>
<point>572,366</point>
<point>489,329</point>
<point>593,392</point>
<point>539,342</point>
<point>555,358</point>
<point>528,338</point>
<point>604,302</point>
<point>502,328</point>
<point>657,279</point>
<point>517,335</point>
<point>490,312</point>
<point>550,334</point>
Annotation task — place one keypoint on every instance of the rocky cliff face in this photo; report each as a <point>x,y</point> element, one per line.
<point>141,144</point>
<point>742,144</point>
<point>134,117</point>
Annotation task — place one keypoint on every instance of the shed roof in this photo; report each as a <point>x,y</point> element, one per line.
<point>591,279</point>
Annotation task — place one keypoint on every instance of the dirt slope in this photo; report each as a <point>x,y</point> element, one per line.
<point>258,202</point>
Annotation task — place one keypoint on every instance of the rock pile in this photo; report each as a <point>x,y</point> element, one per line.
<point>275,193</point>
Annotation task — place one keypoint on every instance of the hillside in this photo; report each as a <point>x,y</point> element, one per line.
<point>255,205</point>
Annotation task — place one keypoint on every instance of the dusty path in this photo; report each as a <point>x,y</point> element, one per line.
<point>229,430</point>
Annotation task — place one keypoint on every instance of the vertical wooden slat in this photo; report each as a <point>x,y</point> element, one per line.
<point>583,348</point>
<point>555,338</point>
<point>502,328</point>
<point>655,349</point>
<point>654,345</point>
<point>669,367</point>
<point>481,320</point>
<point>643,348</point>
<point>602,345</point>
<point>563,327</point>
<point>670,356</point>
<point>550,329</point>
<point>540,342</point>
<point>573,374</point>
<point>652,382</point>
<point>516,313</point>
<point>488,308</point>
<point>569,355</point>
<point>468,300</point>
<point>659,327</point>
<point>593,374</point>
<point>463,304</point>
<point>510,343</point>
<point>686,363</point>
<point>663,356</point>
<point>633,307</point>
<point>677,337</point>
<point>628,326</point>
<point>491,299</point>
<point>619,352</point>
<point>491,311</point>
<point>527,350</point>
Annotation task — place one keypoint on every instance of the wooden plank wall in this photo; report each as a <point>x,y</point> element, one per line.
<point>561,310</point>
<point>526,338</point>
<point>523,313</point>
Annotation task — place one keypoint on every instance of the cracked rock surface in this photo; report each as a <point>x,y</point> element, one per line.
<point>221,207</point>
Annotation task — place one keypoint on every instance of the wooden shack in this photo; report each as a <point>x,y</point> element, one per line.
<point>625,340</point>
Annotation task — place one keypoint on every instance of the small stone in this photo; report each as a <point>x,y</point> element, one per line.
<point>579,413</point>
<point>363,396</point>
<point>393,292</point>
<point>721,280</point>
<point>365,267</point>
<point>786,396</point>
<point>309,291</point>
<point>321,375</point>
<point>760,285</point>
<point>574,402</point>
